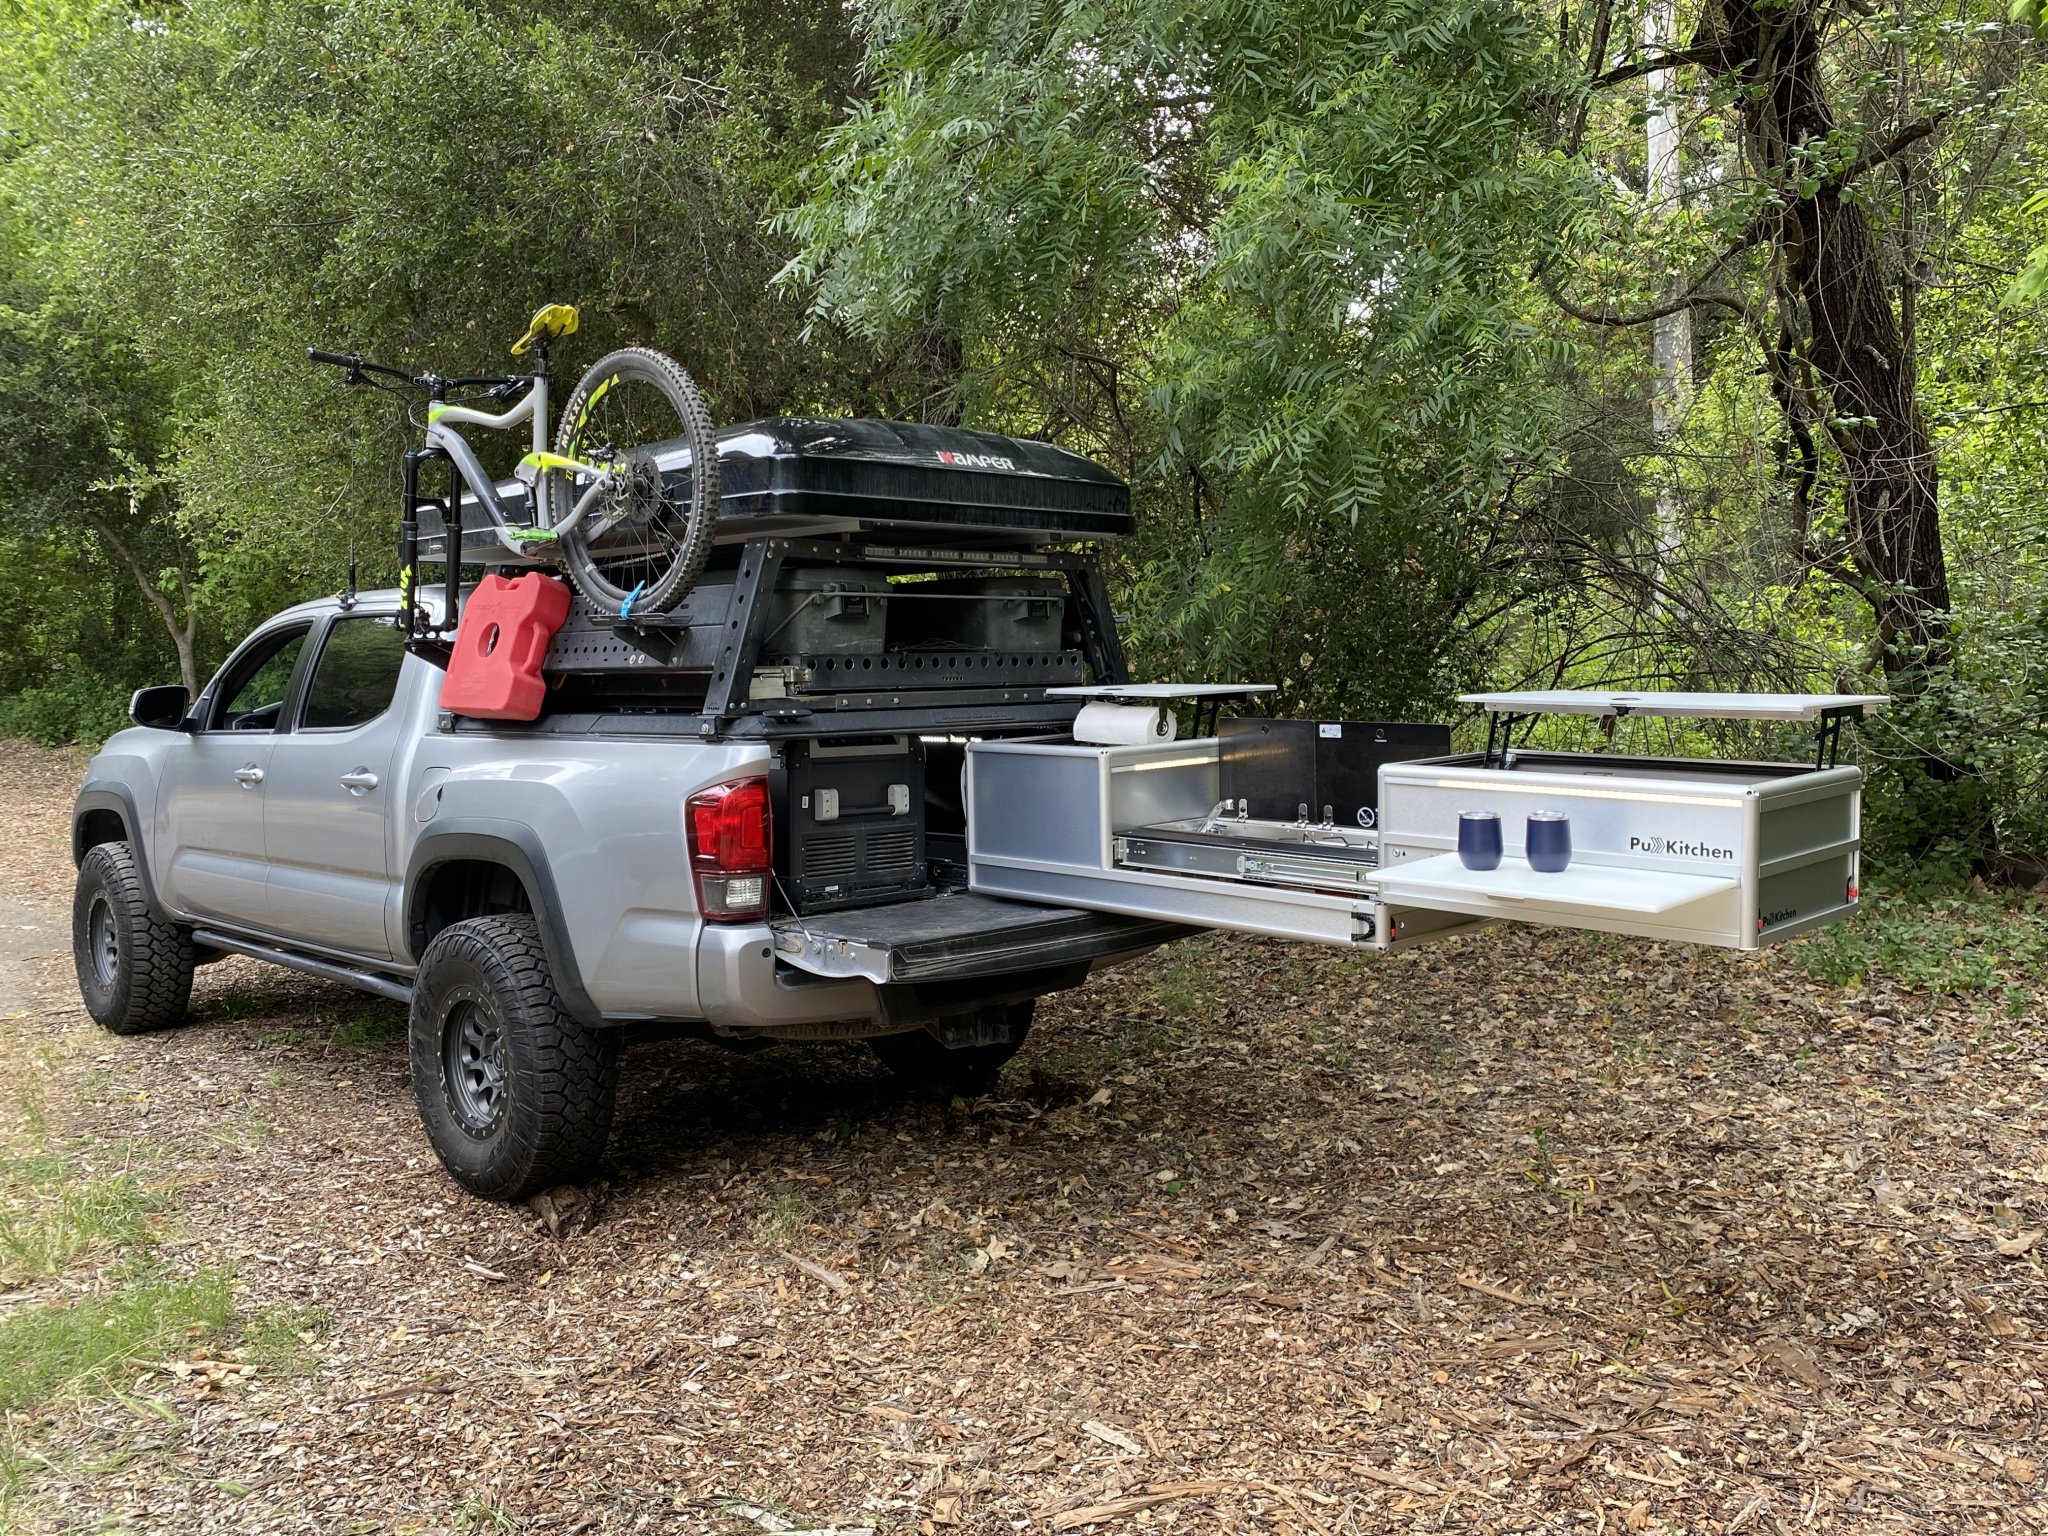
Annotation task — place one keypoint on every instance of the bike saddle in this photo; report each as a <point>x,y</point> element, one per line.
<point>549,323</point>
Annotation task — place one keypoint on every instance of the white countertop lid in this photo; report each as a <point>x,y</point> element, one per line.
<point>1648,891</point>
<point>1697,706</point>
<point>1153,691</point>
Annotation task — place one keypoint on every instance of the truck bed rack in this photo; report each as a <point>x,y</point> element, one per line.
<point>721,657</point>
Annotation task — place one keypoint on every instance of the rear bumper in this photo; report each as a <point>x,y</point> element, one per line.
<point>741,985</point>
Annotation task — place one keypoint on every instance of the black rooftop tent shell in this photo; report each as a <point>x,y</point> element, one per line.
<point>807,477</point>
<point>909,475</point>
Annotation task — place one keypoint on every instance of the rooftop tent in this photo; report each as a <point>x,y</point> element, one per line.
<point>811,477</point>
<point>906,474</point>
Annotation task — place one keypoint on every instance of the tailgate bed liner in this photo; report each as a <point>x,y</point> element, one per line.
<point>956,936</point>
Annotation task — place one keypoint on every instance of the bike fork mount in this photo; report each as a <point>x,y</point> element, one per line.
<point>421,634</point>
<point>431,639</point>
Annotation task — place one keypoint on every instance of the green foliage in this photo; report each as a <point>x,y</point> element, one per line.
<point>188,201</point>
<point>1271,259</point>
<point>1936,939</point>
<point>282,1342</point>
<point>49,1217</point>
<point>1296,270</point>
<point>77,708</point>
<point>1980,720</point>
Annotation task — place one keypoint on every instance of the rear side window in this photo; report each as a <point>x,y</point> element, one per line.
<point>356,677</point>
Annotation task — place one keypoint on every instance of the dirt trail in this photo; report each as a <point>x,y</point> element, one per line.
<point>30,932</point>
<point>1523,1232</point>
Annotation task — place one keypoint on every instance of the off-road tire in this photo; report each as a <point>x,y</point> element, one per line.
<point>134,969</point>
<point>663,590</point>
<point>920,1060</point>
<point>556,1079</point>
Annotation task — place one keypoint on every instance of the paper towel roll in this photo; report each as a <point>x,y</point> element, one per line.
<point>1104,724</point>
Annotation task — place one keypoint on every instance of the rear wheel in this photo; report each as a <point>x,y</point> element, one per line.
<point>924,1058</point>
<point>516,1096</point>
<point>134,969</point>
<point>643,543</point>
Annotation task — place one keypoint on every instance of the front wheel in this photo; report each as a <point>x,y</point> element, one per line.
<point>515,1094</point>
<point>642,543</point>
<point>134,969</point>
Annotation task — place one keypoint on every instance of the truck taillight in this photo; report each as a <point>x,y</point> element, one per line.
<point>730,850</point>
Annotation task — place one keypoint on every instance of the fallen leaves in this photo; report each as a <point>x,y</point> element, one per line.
<point>201,1371</point>
<point>1309,1247</point>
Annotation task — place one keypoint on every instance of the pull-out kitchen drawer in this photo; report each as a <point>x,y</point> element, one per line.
<point>1733,854</point>
<point>1134,830</point>
<point>958,937</point>
<point>1703,852</point>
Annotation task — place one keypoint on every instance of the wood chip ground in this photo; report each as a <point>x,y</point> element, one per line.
<point>1525,1232</point>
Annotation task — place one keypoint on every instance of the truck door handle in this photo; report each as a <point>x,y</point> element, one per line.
<point>249,777</point>
<point>359,782</point>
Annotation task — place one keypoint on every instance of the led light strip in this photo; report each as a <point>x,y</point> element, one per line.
<point>1633,797</point>
<point>1171,762</point>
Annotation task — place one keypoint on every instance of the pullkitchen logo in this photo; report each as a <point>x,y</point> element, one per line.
<point>975,460</point>
<point>1677,848</point>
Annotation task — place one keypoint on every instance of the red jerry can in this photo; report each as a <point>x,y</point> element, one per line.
<point>505,629</point>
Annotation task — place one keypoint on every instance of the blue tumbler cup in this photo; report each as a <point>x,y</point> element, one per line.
<point>1479,839</point>
<point>1549,841</point>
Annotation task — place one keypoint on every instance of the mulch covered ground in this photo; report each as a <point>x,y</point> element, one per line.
<point>1525,1232</point>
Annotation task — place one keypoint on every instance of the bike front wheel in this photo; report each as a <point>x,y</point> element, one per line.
<point>641,545</point>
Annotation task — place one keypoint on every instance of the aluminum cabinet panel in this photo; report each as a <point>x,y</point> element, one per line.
<point>1044,819</point>
<point>1764,849</point>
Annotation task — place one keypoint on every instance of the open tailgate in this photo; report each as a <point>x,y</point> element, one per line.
<point>957,936</point>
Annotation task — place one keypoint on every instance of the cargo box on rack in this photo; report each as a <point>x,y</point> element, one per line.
<point>827,610</point>
<point>1020,615</point>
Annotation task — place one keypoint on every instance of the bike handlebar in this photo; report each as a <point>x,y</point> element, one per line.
<point>357,366</point>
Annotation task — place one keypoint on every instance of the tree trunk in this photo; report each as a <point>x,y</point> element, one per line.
<point>1852,342</point>
<point>184,632</point>
<point>1670,334</point>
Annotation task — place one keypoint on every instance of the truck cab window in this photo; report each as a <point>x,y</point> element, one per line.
<point>252,698</point>
<point>356,677</point>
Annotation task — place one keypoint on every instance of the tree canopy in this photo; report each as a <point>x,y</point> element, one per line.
<point>1445,342</point>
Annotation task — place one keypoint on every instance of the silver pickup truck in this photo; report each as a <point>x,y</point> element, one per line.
<point>882,776</point>
<point>538,893</point>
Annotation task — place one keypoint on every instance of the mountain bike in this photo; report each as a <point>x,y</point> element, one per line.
<point>624,501</point>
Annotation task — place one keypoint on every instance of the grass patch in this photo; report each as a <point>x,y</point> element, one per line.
<point>49,1218</point>
<point>80,1343</point>
<point>476,1517</point>
<point>371,1030</point>
<point>285,1341</point>
<point>1938,940</point>
<point>1183,985</point>
<point>789,1212</point>
<point>1178,997</point>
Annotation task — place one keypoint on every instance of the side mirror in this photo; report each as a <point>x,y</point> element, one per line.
<point>161,708</point>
